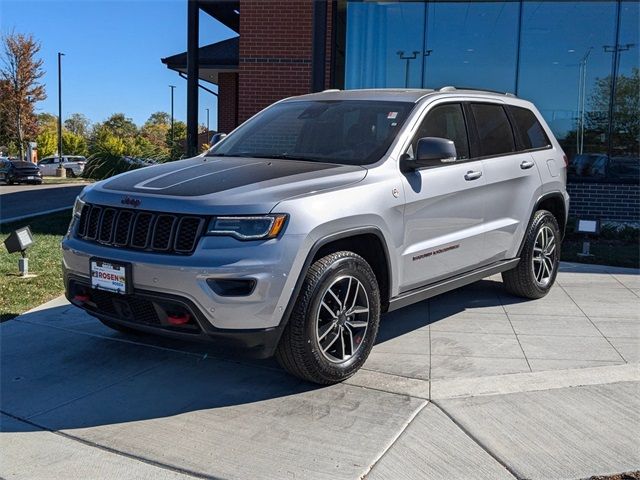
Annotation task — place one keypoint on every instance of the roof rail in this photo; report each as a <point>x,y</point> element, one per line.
<point>450,88</point>
<point>331,90</point>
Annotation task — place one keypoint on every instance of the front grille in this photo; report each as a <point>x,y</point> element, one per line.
<point>148,231</point>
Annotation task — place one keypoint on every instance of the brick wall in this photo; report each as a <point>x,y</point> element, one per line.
<point>227,101</point>
<point>607,201</point>
<point>275,52</point>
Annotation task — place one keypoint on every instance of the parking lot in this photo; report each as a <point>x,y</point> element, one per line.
<point>472,384</point>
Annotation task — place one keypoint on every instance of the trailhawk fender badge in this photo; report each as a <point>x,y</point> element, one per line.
<point>133,202</point>
<point>436,252</point>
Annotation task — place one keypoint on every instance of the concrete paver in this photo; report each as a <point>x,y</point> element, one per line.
<point>40,454</point>
<point>434,447</point>
<point>561,433</point>
<point>543,386</point>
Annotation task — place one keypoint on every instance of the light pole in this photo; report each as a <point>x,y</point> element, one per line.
<point>172,87</point>
<point>582,91</point>
<point>616,50</point>
<point>60,55</point>
<point>207,121</point>
<point>407,58</point>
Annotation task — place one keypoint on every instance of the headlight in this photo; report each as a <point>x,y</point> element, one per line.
<point>248,228</point>
<point>77,207</point>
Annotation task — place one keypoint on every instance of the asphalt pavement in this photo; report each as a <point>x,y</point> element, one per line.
<point>21,201</point>
<point>474,383</point>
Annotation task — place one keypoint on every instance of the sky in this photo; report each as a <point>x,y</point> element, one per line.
<point>112,54</point>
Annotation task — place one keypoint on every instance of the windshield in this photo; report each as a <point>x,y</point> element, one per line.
<point>353,132</point>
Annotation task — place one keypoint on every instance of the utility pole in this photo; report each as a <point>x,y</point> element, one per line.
<point>207,121</point>
<point>172,87</point>
<point>60,55</point>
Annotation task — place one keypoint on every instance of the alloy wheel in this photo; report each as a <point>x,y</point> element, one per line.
<point>342,319</point>
<point>544,256</point>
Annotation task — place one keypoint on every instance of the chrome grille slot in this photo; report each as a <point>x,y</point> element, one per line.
<point>141,230</point>
<point>163,232</point>
<point>189,229</point>
<point>106,225</point>
<point>93,224</point>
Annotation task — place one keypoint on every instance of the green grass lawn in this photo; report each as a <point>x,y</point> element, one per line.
<point>57,180</point>
<point>21,294</point>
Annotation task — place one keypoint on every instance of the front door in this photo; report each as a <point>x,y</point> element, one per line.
<point>444,212</point>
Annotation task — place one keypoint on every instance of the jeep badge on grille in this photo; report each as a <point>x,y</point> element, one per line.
<point>133,202</point>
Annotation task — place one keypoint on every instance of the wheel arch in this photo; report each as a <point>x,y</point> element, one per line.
<point>553,202</point>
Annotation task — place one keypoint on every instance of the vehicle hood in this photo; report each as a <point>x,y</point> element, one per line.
<point>221,185</point>
<point>25,167</point>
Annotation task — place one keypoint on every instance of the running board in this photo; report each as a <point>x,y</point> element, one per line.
<point>422,293</point>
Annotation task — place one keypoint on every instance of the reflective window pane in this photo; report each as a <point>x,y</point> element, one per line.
<point>531,133</point>
<point>472,44</point>
<point>384,44</point>
<point>564,70</point>
<point>445,121</point>
<point>625,136</point>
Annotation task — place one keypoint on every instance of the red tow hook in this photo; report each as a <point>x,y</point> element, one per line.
<point>178,319</point>
<point>81,298</point>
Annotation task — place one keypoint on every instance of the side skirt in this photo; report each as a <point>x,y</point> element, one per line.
<point>422,293</point>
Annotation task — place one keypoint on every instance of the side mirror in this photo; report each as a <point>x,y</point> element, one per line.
<point>216,138</point>
<point>431,151</point>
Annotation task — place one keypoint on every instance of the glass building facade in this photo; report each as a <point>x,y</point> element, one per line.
<point>576,60</point>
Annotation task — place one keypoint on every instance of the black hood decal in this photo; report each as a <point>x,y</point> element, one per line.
<point>208,175</point>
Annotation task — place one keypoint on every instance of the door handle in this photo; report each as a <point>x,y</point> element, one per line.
<point>471,175</point>
<point>526,164</point>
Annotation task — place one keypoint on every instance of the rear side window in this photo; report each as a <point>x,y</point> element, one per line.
<point>495,136</point>
<point>531,133</point>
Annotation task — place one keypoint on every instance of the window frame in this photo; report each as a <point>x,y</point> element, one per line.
<point>424,116</point>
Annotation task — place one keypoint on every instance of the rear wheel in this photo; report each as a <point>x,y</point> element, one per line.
<point>334,322</point>
<point>70,173</point>
<point>536,272</point>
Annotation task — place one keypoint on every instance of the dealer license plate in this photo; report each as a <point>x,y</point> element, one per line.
<point>111,276</point>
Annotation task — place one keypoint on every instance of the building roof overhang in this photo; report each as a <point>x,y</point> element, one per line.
<point>212,59</point>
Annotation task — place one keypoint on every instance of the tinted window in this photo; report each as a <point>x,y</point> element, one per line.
<point>350,132</point>
<point>531,133</point>
<point>494,130</point>
<point>445,121</point>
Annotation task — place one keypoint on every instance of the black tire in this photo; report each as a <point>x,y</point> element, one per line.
<point>523,280</point>
<point>119,327</point>
<point>299,351</point>
<point>70,173</point>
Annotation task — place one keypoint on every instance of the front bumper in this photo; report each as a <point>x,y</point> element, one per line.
<point>252,321</point>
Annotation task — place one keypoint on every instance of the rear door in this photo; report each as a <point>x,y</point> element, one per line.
<point>511,174</point>
<point>444,211</point>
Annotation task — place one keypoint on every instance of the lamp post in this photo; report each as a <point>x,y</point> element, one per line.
<point>407,59</point>
<point>616,50</point>
<point>60,55</point>
<point>172,87</point>
<point>207,121</point>
<point>582,91</point>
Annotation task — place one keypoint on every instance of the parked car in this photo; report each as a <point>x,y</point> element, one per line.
<point>73,164</point>
<point>13,171</point>
<point>295,232</point>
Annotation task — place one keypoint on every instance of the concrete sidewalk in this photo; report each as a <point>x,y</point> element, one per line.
<point>472,384</point>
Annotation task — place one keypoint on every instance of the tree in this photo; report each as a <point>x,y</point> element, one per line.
<point>154,131</point>
<point>158,118</point>
<point>78,124</point>
<point>120,126</point>
<point>179,139</point>
<point>20,87</point>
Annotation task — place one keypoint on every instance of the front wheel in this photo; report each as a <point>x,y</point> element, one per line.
<point>334,322</point>
<point>536,272</point>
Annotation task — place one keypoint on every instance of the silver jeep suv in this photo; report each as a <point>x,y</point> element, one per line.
<point>293,234</point>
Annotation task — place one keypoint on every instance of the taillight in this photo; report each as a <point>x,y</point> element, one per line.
<point>566,160</point>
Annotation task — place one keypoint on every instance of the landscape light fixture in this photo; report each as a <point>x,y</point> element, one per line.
<point>588,227</point>
<point>18,241</point>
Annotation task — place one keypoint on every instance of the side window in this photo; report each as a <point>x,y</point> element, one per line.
<point>445,121</point>
<point>494,130</point>
<point>531,133</point>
